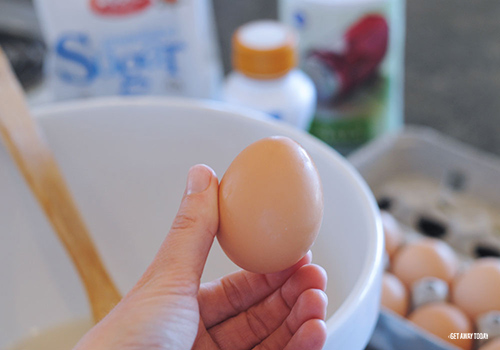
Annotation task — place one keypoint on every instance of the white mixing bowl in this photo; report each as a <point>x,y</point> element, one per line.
<point>126,162</point>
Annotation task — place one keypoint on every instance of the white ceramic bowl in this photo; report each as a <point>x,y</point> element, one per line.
<point>126,161</point>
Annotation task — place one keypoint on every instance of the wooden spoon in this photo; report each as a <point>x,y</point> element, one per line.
<point>24,140</point>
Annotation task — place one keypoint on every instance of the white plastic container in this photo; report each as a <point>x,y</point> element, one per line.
<point>353,50</point>
<point>126,162</point>
<point>130,47</point>
<point>265,77</point>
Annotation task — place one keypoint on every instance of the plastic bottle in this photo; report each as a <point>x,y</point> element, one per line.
<point>265,76</point>
<point>353,50</point>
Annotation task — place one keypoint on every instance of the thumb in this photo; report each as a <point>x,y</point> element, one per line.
<point>179,263</point>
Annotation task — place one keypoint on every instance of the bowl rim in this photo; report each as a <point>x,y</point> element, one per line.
<point>373,262</point>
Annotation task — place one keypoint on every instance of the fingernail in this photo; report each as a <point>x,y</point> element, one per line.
<point>199,177</point>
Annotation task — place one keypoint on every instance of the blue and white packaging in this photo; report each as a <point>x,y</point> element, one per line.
<point>130,47</point>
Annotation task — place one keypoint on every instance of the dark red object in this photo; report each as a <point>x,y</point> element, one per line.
<point>118,7</point>
<point>366,46</point>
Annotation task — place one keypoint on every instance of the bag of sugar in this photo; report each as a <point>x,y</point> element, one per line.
<point>130,47</point>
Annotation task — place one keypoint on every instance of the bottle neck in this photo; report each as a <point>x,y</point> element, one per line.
<point>264,78</point>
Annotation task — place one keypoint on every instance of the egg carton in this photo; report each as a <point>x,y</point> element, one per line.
<point>463,208</point>
<point>437,187</point>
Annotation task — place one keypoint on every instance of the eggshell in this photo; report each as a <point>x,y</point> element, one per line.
<point>442,319</point>
<point>392,233</point>
<point>491,345</point>
<point>270,205</point>
<point>394,294</point>
<point>477,290</point>
<point>425,258</point>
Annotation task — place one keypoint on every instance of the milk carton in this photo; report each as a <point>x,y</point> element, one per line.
<point>353,51</point>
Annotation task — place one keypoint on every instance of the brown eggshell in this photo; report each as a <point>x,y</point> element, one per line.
<point>392,233</point>
<point>270,205</point>
<point>441,319</point>
<point>477,290</point>
<point>491,345</point>
<point>395,296</point>
<point>425,258</point>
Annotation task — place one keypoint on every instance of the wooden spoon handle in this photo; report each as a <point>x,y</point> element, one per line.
<point>25,142</point>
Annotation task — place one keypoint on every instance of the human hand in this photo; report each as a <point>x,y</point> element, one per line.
<point>168,309</point>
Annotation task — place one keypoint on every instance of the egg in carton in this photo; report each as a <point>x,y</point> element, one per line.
<point>491,345</point>
<point>476,287</point>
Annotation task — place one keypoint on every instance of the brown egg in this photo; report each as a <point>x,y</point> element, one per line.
<point>426,258</point>
<point>270,205</point>
<point>442,319</point>
<point>395,296</point>
<point>392,233</point>
<point>491,345</point>
<point>477,290</point>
